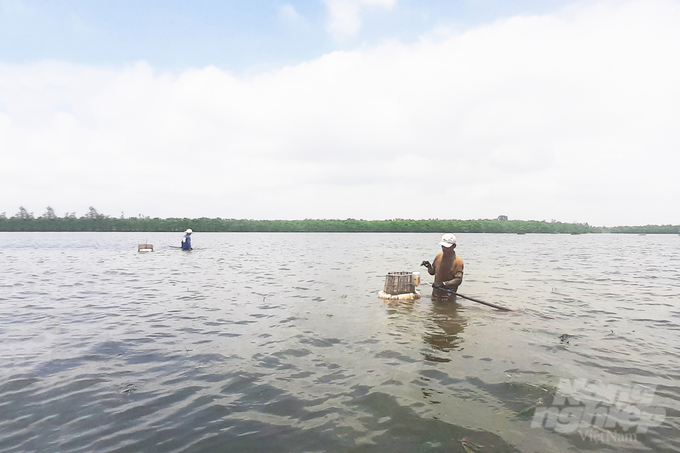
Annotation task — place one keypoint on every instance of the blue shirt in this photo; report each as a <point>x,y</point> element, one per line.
<point>186,242</point>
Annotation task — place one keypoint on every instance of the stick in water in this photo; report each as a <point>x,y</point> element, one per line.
<point>475,300</point>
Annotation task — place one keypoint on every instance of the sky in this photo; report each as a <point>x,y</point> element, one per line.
<point>366,109</point>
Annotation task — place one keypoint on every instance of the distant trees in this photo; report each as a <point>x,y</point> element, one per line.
<point>49,214</point>
<point>647,229</point>
<point>93,220</point>
<point>23,214</point>
<point>92,214</point>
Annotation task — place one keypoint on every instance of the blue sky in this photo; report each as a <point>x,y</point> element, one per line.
<point>372,109</point>
<point>234,35</point>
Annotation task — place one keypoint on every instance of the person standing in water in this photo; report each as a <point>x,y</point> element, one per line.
<point>447,268</point>
<point>186,240</point>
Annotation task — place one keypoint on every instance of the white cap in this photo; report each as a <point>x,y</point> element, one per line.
<point>448,240</point>
<point>188,231</point>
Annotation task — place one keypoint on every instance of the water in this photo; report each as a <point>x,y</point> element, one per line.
<point>278,342</point>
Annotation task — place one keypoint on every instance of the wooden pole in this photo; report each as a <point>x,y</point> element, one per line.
<point>482,302</point>
<point>476,300</point>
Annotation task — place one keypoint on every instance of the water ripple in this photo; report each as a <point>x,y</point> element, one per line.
<point>255,341</point>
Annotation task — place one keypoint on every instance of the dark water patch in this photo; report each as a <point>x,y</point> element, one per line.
<point>301,375</point>
<point>228,334</point>
<point>17,382</point>
<point>320,342</point>
<point>434,358</point>
<point>390,354</point>
<point>58,366</point>
<point>399,428</point>
<point>516,372</point>
<point>292,353</point>
<point>516,395</point>
<point>337,377</point>
<point>617,370</point>
<point>240,382</point>
<point>668,391</point>
<point>259,315</point>
<point>271,362</point>
<point>289,320</point>
<point>391,382</point>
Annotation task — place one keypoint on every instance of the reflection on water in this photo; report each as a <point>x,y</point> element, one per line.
<point>445,325</point>
<point>261,342</point>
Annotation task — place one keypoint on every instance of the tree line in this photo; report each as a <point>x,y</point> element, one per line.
<point>93,220</point>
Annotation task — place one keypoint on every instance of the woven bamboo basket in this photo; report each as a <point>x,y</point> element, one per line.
<point>400,286</point>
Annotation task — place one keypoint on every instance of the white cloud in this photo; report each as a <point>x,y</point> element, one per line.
<point>570,116</point>
<point>344,16</point>
<point>288,13</point>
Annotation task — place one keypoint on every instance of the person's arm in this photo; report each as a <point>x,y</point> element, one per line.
<point>431,267</point>
<point>431,270</point>
<point>455,281</point>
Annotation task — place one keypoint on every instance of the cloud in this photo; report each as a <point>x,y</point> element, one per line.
<point>571,116</point>
<point>344,16</point>
<point>287,13</point>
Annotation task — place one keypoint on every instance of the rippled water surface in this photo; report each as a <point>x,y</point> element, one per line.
<point>278,342</point>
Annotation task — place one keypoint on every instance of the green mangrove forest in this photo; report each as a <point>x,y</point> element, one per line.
<point>95,221</point>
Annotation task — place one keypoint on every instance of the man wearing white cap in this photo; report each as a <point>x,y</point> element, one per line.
<point>186,240</point>
<point>447,268</point>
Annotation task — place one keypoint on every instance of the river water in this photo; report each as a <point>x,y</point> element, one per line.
<point>259,342</point>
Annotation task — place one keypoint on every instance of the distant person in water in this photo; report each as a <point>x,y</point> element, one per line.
<point>447,268</point>
<point>186,240</point>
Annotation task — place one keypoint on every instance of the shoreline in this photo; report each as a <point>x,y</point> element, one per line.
<point>218,225</point>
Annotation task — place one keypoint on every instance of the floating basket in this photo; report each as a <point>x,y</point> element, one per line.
<point>399,283</point>
<point>401,286</point>
<point>145,248</point>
